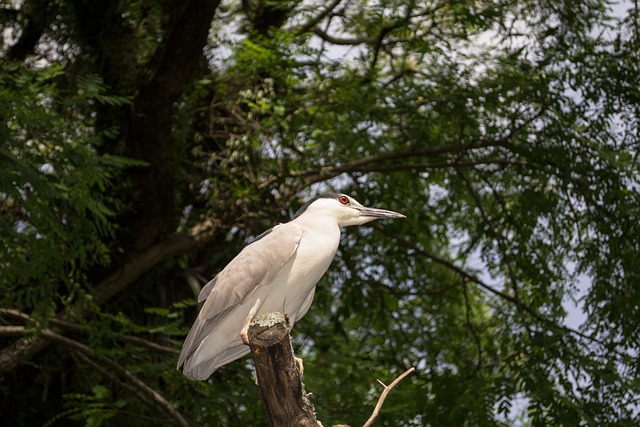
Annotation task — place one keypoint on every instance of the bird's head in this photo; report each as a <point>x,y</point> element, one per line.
<point>344,209</point>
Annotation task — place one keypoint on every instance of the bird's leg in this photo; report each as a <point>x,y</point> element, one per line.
<point>244,333</point>
<point>300,365</point>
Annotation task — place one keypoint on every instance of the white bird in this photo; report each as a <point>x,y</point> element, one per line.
<point>277,272</point>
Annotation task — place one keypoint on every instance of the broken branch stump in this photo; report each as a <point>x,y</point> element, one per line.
<point>284,397</point>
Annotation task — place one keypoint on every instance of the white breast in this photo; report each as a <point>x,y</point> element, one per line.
<point>297,280</point>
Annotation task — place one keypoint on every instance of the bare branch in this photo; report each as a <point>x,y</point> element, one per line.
<point>279,380</point>
<point>383,396</point>
<point>17,314</point>
<point>11,331</point>
<point>20,351</point>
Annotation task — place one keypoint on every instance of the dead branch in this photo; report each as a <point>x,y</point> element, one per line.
<point>383,396</point>
<point>284,397</point>
<point>282,391</point>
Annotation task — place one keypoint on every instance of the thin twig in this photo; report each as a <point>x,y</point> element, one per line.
<point>383,396</point>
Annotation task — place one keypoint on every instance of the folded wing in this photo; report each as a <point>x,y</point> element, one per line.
<point>255,266</point>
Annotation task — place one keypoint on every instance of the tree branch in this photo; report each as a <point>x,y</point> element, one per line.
<point>284,397</point>
<point>78,348</point>
<point>12,331</point>
<point>20,351</point>
<point>136,266</point>
<point>383,396</point>
<point>16,314</point>
<point>516,302</point>
<point>145,261</point>
<point>64,324</point>
<point>282,391</point>
<point>319,17</point>
<point>313,176</point>
<point>418,167</point>
<point>342,41</point>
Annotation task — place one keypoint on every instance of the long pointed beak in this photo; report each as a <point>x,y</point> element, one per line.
<point>378,213</point>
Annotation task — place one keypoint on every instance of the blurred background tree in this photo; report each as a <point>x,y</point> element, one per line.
<point>143,143</point>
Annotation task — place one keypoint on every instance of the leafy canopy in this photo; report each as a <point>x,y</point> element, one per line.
<point>144,144</point>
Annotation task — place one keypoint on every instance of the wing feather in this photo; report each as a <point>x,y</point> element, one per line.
<point>256,265</point>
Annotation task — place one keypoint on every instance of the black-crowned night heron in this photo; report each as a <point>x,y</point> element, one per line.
<point>277,272</point>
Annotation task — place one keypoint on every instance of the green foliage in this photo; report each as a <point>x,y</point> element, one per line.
<point>54,187</point>
<point>92,410</point>
<point>506,133</point>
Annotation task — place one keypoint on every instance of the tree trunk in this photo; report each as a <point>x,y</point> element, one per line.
<point>278,377</point>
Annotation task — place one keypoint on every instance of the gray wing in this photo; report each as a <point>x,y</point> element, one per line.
<point>206,289</point>
<point>256,265</point>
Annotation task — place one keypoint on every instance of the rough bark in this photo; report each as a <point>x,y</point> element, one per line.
<point>148,207</point>
<point>284,397</point>
<point>149,137</point>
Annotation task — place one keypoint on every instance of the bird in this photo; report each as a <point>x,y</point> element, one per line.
<point>278,271</point>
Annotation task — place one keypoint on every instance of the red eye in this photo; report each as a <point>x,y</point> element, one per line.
<point>344,200</point>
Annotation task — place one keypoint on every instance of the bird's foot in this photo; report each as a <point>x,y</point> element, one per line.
<point>244,333</point>
<point>300,365</point>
